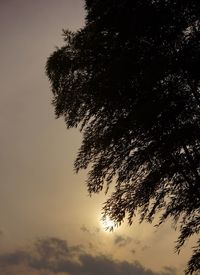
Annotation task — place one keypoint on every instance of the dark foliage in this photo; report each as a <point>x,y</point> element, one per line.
<point>130,79</point>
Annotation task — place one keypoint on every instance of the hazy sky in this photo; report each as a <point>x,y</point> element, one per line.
<point>40,196</point>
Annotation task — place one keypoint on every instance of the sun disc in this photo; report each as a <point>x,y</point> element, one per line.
<point>108,224</point>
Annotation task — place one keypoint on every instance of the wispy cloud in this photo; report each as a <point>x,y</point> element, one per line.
<point>145,247</point>
<point>92,231</point>
<point>85,229</point>
<point>122,241</point>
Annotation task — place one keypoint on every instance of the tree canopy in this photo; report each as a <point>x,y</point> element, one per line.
<point>130,80</point>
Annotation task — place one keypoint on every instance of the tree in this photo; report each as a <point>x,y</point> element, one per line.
<point>130,80</point>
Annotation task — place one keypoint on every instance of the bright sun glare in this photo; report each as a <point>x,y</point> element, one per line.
<point>108,224</point>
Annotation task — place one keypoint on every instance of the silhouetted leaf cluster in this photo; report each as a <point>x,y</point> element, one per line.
<point>130,79</point>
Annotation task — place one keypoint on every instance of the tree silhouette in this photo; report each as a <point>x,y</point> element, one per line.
<point>130,80</point>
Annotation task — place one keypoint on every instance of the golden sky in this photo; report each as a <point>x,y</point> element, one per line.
<point>49,225</point>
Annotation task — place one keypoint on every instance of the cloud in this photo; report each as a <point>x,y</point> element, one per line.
<point>122,241</point>
<point>14,258</point>
<point>55,256</point>
<point>90,232</point>
<point>145,247</point>
<point>85,229</point>
<point>169,270</point>
<point>133,251</point>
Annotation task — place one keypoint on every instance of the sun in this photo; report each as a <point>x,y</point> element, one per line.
<point>108,224</point>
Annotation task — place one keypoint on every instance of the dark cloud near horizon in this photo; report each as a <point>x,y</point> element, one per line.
<point>55,256</point>
<point>14,258</point>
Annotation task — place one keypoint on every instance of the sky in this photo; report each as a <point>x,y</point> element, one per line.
<point>49,224</point>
